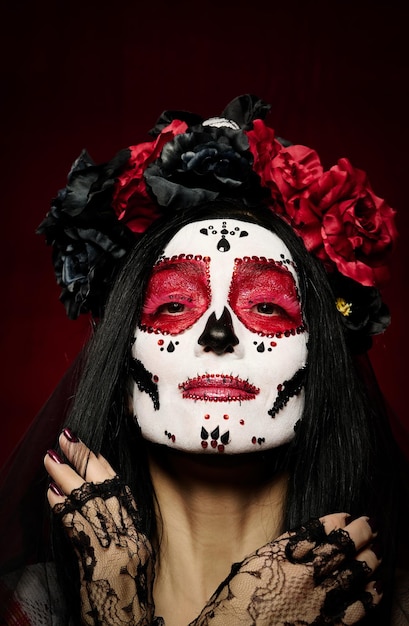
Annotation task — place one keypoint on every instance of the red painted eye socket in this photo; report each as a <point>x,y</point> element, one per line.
<point>264,296</point>
<point>178,294</point>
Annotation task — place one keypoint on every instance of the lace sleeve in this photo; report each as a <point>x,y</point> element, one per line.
<point>116,560</point>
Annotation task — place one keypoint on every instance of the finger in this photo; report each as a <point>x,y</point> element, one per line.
<point>348,595</point>
<point>325,543</point>
<point>334,521</point>
<point>361,532</point>
<point>91,467</point>
<point>345,543</point>
<point>62,474</point>
<point>55,495</point>
<point>361,606</point>
<point>369,557</point>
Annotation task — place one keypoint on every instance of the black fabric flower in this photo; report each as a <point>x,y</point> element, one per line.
<point>87,238</point>
<point>242,110</point>
<point>202,165</point>
<point>362,311</point>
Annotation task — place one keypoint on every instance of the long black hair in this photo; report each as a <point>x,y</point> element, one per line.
<point>341,458</point>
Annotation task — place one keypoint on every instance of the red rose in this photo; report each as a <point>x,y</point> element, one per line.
<point>131,201</point>
<point>287,172</point>
<point>294,168</point>
<point>358,228</point>
<point>306,219</point>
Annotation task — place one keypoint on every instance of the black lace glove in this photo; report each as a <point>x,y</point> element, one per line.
<point>115,559</point>
<point>100,517</point>
<point>305,577</point>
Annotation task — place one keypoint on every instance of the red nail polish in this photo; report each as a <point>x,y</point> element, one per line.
<point>54,456</point>
<point>67,432</point>
<point>55,488</point>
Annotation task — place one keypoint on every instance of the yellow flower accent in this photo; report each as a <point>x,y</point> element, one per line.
<point>344,307</point>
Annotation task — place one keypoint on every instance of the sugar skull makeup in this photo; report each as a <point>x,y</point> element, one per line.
<point>220,354</point>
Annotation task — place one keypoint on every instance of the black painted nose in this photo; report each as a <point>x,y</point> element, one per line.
<point>218,335</point>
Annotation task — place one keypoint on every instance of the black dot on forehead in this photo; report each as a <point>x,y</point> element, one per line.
<point>223,245</point>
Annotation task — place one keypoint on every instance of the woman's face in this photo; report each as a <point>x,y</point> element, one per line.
<point>221,349</point>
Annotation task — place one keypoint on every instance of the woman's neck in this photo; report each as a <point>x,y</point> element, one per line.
<point>212,511</point>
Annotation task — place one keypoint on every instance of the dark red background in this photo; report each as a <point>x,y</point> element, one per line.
<point>88,74</point>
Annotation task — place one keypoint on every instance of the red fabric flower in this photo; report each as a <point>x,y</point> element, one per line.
<point>286,169</point>
<point>131,201</point>
<point>295,168</point>
<point>358,229</point>
<point>264,147</point>
<point>288,172</point>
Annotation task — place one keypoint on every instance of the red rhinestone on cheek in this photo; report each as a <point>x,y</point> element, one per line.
<point>253,440</point>
<point>155,378</point>
<point>207,416</point>
<point>204,445</point>
<point>213,443</point>
<point>220,447</point>
<point>242,422</point>
<point>160,342</point>
<point>225,417</point>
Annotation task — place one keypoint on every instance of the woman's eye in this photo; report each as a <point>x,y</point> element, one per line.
<point>171,307</point>
<point>267,308</point>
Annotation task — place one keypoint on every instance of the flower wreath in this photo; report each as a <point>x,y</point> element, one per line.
<point>94,220</point>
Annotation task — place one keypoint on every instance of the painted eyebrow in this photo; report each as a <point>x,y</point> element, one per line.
<point>197,264</point>
<point>261,264</point>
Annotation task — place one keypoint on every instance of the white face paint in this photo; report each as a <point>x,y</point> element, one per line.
<point>221,349</point>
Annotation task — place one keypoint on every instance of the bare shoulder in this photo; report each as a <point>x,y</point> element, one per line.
<point>400,608</point>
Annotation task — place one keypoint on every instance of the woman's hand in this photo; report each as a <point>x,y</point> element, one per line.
<point>317,574</point>
<point>100,517</point>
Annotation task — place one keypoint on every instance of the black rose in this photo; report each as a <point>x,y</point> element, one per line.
<point>86,236</point>
<point>201,165</point>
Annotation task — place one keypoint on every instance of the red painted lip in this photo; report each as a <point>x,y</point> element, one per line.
<point>218,388</point>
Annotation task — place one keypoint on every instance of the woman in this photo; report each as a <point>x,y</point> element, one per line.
<point>222,385</point>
